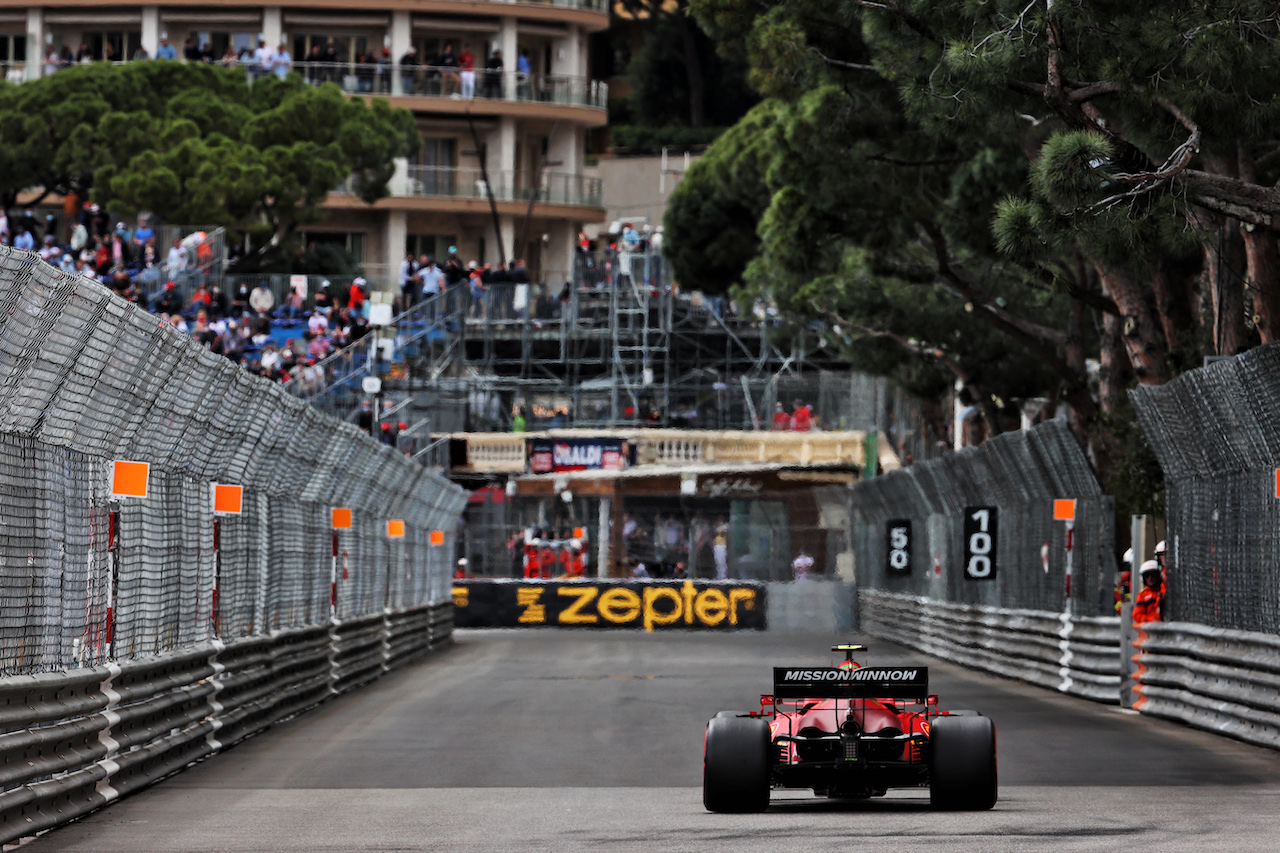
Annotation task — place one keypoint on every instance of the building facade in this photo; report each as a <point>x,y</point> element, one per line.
<point>509,137</point>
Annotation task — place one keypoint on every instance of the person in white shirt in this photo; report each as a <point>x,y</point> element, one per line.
<point>177,258</point>
<point>264,57</point>
<point>317,323</point>
<point>801,566</point>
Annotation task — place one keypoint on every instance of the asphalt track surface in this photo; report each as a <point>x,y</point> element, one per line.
<point>561,741</point>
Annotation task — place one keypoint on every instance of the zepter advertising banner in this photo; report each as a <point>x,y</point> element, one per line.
<point>651,605</point>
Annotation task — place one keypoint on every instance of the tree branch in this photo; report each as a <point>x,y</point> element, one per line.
<point>984,400</point>
<point>840,63</point>
<point>1026,332</point>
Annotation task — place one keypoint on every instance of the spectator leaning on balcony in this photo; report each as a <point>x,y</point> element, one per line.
<point>166,50</point>
<point>140,54</point>
<point>449,77</point>
<point>312,68</point>
<point>493,75</point>
<point>282,61</point>
<point>263,58</point>
<point>409,71</point>
<point>467,66</point>
<point>524,69</point>
<point>332,61</point>
<point>384,70</point>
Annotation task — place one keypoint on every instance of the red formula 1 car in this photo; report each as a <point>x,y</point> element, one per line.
<point>852,732</point>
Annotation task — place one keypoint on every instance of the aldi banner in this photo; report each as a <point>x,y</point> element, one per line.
<point>651,605</point>
<point>554,455</point>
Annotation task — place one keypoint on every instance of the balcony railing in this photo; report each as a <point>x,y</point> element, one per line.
<point>442,182</point>
<point>429,81</point>
<point>439,81</point>
<point>505,452</point>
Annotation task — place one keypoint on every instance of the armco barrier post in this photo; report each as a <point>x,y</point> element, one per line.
<point>1127,652</point>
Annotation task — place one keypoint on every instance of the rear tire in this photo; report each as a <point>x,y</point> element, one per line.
<point>963,714</point>
<point>735,764</point>
<point>732,714</point>
<point>963,776</point>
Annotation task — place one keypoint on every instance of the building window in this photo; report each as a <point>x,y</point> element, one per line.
<point>217,43</point>
<point>13,49</point>
<point>123,44</point>
<point>434,246</point>
<point>352,242</point>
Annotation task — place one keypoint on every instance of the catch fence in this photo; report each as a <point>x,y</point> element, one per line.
<point>1215,433</point>
<point>930,529</point>
<point>87,378</point>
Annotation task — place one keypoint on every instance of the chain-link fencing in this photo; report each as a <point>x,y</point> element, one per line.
<point>85,379</point>
<point>1215,433</point>
<point>978,527</point>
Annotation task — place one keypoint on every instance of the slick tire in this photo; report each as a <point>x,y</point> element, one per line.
<point>964,714</point>
<point>963,776</point>
<point>735,765</point>
<point>731,714</point>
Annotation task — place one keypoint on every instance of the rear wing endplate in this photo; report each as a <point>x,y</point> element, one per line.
<point>869,682</point>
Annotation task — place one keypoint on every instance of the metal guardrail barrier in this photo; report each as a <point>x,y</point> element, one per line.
<point>1070,654</point>
<point>1222,680</point>
<point>87,379</point>
<point>73,742</point>
<point>1011,482</point>
<point>1217,437</point>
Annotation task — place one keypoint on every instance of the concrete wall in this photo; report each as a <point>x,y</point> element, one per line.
<point>634,188</point>
<point>812,606</point>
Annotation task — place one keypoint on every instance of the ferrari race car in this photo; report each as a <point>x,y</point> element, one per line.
<point>849,732</point>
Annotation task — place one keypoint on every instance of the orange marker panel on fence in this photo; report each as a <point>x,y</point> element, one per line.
<point>437,537</point>
<point>227,500</point>
<point>341,518</point>
<point>1278,482</point>
<point>129,479</point>
<point>579,533</point>
<point>395,529</point>
<point>1064,509</point>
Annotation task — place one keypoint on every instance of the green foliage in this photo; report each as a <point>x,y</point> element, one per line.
<point>677,78</point>
<point>719,200</point>
<point>196,143</point>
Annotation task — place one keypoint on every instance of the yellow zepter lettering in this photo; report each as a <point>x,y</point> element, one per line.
<point>583,596</point>
<point>529,597</point>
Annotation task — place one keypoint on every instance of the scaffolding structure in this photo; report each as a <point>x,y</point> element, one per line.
<point>618,346</point>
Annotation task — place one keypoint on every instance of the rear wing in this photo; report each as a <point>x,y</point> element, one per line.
<point>869,682</point>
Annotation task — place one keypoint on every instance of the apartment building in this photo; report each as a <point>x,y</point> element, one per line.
<point>511,139</point>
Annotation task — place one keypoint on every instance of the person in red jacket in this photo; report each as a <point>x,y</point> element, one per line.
<point>532,561</point>
<point>781,420</point>
<point>571,559</point>
<point>801,417</point>
<point>1149,605</point>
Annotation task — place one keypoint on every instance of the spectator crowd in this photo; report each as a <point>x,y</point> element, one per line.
<point>245,326</point>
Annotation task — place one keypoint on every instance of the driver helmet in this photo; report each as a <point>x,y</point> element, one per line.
<point>849,665</point>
